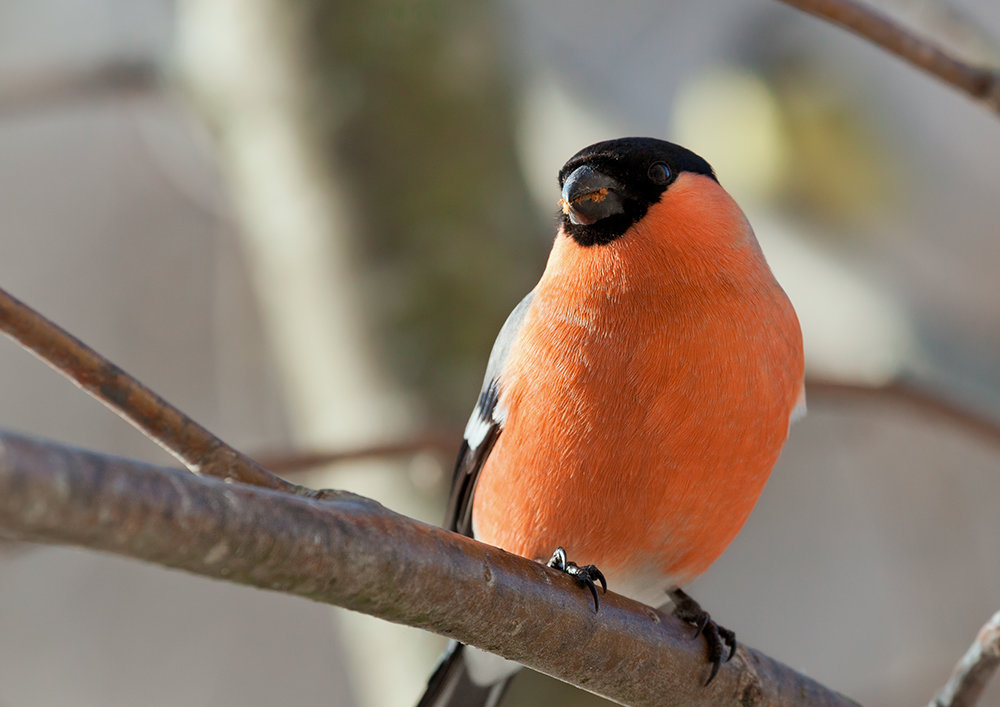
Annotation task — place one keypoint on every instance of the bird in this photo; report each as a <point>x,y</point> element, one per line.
<point>635,401</point>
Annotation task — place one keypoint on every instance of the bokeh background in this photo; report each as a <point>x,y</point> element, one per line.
<point>303,221</point>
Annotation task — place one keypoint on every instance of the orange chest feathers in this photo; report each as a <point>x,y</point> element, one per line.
<point>648,395</point>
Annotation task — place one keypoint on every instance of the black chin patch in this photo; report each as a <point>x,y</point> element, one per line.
<point>602,232</point>
<point>631,162</point>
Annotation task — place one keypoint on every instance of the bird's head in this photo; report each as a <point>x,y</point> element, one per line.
<point>609,186</point>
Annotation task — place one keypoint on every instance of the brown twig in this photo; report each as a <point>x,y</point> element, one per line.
<point>912,396</point>
<point>974,670</point>
<point>354,553</point>
<point>28,92</point>
<point>194,446</point>
<point>438,442</point>
<point>981,83</point>
<point>444,443</point>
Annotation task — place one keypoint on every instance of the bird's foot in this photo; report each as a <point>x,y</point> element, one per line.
<point>586,576</point>
<point>716,637</point>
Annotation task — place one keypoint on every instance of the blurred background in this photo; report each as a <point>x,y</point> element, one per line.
<point>304,221</point>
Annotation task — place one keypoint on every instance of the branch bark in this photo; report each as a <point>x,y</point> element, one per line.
<point>193,445</point>
<point>352,552</point>
<point>981,83</point>
<point>974,669</point>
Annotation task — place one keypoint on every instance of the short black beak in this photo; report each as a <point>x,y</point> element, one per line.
<point>589,196</point>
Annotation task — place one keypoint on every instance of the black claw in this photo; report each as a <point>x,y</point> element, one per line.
<point>593,592</point>
<point>715,649</point>
<point>558,559</point>
<point>715,671</point>
<point>729,638</point>
<point>587,576</point>
<point>599,576</point>
<point>699,626</point>
<point>717,638</point>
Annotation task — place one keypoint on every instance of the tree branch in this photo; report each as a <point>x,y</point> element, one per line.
<point>979,82</point>
<point>194,446</point>
<point>912,396</point>
<point>352,552</point>
<point>435,441</point>
<point>443,443</point>
<point>974,669</point>
<point>25,93</point>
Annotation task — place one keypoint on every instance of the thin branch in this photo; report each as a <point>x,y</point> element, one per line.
<point>27,92</point>
<point>443,444</point>
<point>974,670</point>
<point>912,396</point>
<point>437,442</point>
<point>194,446</point>
<point>352,552</point>
<point>979,82</point>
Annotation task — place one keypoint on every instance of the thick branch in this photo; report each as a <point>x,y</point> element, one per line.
<point>974,670</point>
<point>981,83</point>
<point>194,446</point>
<point>352,552</point>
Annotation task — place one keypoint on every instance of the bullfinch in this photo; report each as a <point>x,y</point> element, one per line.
<point>635,401</point>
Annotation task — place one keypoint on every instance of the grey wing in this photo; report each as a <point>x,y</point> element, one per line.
<point>484,426</point>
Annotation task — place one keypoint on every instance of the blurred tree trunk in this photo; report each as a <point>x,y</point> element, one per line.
<point>368,150</point>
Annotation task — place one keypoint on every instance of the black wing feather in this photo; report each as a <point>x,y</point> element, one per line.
<point>470,462</point>
<point>486,424</point>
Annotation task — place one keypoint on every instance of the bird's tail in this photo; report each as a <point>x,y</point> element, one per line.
<point>451,685</point>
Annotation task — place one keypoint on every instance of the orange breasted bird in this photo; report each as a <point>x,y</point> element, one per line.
<point>635,401</point>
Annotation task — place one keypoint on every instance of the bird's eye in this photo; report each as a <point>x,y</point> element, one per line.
<point>659,173</point>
